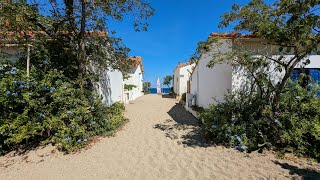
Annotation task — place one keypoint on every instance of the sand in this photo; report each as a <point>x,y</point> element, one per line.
<point>160,141</point>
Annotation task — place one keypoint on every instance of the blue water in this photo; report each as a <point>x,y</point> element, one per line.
<point>154,90</point>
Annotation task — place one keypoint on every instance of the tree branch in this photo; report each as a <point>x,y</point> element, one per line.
<point>276,60</point>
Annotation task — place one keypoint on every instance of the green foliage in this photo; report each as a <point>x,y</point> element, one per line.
<point>146,87</point>
<point>248,123</point>
<point>58,103</point>
<point>50,109</point>
<point>63,25</point>
<point>167,80</point>
<point>268,111</point>
<point>197,108</point>
<point>291,27</point>
<point>172,93</point>
<point>288,33</point>
<point>129,87</point>
<point>293,24</point>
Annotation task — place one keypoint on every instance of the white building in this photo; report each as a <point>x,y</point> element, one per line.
<point>11,51</point>
<point>135,79</point>
<point>181,77</point>
<point>110,85</point>
<point>209,85</point>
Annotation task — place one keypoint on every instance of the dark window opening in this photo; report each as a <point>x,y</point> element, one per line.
<point>306,77</point>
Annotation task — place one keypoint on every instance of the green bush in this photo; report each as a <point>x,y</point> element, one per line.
<point>50,109</point>
<point>247,122</point>
<point>129,87</point>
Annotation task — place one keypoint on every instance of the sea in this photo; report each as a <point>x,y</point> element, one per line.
<point>154,90</point>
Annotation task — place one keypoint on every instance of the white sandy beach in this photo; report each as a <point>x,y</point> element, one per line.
<point>160,141</point>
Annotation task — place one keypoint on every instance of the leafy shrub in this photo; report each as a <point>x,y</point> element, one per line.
<point>129,87</point>
<point>50,109</point>
<point>247,122</point>
<point>172,93</point>
<point>197,108</point>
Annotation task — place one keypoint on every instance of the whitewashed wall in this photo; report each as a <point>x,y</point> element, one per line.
<point>185,73</point>
<point>11,53</point>
<point>181,78</point>
<point>136,79</point>
<point>242,81</point>
<point>211,84</point>
<point>314,62</point>
<point>110,87</point>
<point>256,46</point>
<point>194,86</point>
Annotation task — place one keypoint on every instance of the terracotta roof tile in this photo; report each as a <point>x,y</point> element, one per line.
<point>9,36</point>
<point>231,35</point>
<point>181,65</point>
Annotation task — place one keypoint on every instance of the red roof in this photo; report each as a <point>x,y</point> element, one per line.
<point>181,65</point>
<point>231,35</point>
<point>31,35</point>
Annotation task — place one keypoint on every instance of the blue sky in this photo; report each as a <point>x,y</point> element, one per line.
<point>173,33</point>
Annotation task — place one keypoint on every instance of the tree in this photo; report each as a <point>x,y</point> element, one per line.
<point>290,27</point>
<point>267,110</point>
<point>71,44</point>
<point>167,81</point>
<point>146,86</point>
<point>69,21</point>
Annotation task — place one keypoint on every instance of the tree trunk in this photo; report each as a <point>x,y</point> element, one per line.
<point>279,89</point>
<point>81,39</point>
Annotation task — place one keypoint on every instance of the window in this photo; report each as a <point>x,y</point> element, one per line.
<point>295,76</point>
<point>315,74</point>
<point>312,72</point>
<point>313,77</point>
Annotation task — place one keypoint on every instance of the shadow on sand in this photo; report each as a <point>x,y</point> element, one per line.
<point>169,96</point>
<point>306,174</point>
<point>23,149</point>
<point>184,127</point>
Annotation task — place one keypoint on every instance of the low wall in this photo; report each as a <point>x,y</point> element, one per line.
<point>189,109</point>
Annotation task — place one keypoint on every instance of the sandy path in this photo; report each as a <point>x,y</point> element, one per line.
<point>161,141</point>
